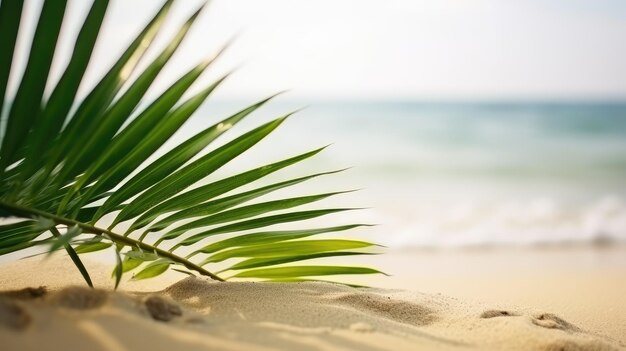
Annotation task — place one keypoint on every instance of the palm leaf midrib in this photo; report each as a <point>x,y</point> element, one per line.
<point>116,238</point>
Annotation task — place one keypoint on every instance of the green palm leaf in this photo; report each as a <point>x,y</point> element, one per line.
<point>171,123</point>
<point>288,249</point>
<point>117,114</point>
<point>10,15</point>
<point>60,101</point>
<point>270,237</point>
<point>62,174</point>
<point>303,271</point>
<point>240,213</point>
<point>18,233</point>
<point>140,126</point>
<point>172,160</point>
<point>195,171</point>
<point>153,269</point>
<point>272,261</point>
<point>89,113</point>
<point>260,223</point>
<point>26,109</point>
<point>212,207</point>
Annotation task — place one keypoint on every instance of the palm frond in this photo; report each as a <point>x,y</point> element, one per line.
<point>72,179</point>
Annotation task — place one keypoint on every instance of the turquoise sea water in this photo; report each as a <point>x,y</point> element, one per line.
<point>460,174</point>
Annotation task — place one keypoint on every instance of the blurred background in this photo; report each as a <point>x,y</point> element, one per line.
<point>468,124</point>
<point>488,137</point>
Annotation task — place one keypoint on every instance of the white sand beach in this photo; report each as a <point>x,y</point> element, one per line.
<point>198,314</point>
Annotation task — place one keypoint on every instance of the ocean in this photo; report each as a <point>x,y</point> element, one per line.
<point>435,175</point>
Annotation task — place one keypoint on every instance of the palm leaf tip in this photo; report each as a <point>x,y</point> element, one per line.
<point>62,184</point>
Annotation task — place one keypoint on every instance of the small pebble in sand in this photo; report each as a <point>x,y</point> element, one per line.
<point>496,313</point>
<point>161,309</point>
<point>13,316</point>
<point>361,327</point>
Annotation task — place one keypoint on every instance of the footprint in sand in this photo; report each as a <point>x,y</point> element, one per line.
<point>12,314</point>
<point>545,320</point>
<point>551,321</point>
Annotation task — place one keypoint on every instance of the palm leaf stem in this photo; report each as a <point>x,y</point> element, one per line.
<point>117,238</point>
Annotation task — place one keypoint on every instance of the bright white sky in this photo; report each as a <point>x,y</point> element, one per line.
<point>386,49</point>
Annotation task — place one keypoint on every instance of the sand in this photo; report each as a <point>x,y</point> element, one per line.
<point>199,314</point>
<point>585,285</point>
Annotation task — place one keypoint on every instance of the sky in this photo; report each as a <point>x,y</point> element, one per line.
<point>378,49</point>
